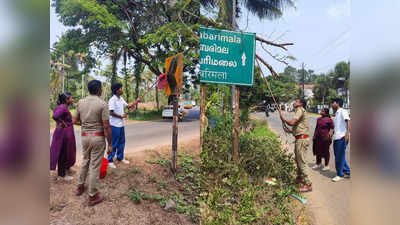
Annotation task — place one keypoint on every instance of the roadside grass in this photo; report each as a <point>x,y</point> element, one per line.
<point>262,131</point>
<point>236,193</point>
<point>183,192</point>
<point>145,115</point>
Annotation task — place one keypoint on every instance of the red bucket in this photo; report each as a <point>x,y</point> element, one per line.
<point>103,168</point>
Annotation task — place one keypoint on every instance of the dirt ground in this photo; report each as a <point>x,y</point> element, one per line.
<point>67,209</point>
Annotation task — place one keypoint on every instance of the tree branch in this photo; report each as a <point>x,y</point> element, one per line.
<point>272,43</point>
<point>276,58</point>
<point>274,74</point>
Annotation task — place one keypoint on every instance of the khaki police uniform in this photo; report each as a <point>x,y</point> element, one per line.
<point>300,131</point>
<point>92,111</point>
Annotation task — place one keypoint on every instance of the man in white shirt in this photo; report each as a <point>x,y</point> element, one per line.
<point>341,138</point>
<point>117,105</point>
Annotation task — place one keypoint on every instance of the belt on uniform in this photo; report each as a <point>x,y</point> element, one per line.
<point>302,136</point>
<point>99,133</point>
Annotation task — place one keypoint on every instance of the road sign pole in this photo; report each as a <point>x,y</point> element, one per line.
<point>202,113</point>
<point>174,133</point>
<point>236,131</point>
<point>233,25</point>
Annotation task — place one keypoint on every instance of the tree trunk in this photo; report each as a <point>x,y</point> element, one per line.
<point>114,68</point>
<point>137,88</point>
<point>157,100</point>
<point>126,77</point>
<point>114,71</point>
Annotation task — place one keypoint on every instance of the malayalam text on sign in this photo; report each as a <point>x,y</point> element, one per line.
<point>226,57</point>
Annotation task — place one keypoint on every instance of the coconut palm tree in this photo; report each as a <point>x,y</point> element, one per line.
<point>268,9</point>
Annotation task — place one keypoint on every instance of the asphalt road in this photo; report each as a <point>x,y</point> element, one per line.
<point>149,134</point>
<point>329,201</point>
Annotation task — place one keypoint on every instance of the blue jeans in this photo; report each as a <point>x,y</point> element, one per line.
<point>118,143</point>
<point>339,147</point>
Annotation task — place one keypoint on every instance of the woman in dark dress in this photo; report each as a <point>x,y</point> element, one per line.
<point>63,146</point>
<point>322,139</point>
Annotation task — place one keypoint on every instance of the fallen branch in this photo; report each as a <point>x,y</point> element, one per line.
<point>274,74</point>
<point>272,43</point>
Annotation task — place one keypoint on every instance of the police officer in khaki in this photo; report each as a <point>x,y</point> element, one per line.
<point>93,115</point>
<point>300,132</point>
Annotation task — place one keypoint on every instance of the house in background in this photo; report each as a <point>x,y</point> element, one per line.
<point>308,90</point>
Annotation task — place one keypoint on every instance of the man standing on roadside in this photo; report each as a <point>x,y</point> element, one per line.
<point>117,105</point>
<point>341,137</point>
<point>93,116</point>
<point>266,109</point>
<point>300,132</point>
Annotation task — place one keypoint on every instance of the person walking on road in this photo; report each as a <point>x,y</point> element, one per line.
<point>63,146</point>
<point>117,105</point>
<point>300,132</point>
<point>93,116</point>
<point>323,139</point>
<point>266,109</point>
<point>341,138</point>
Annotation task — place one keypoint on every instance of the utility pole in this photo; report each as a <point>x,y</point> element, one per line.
<point>63,75</point>
<point>303,78</point>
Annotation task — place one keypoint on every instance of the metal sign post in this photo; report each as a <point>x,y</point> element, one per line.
<point>174,133</point>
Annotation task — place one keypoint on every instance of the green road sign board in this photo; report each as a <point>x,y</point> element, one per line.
<point>226,57</point>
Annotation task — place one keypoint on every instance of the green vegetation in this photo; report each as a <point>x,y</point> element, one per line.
<point>236,193</point>
<point>143,114</point>
<point>135,170</point>
<point>263,131</point>
<point>184,192</point>
<point>136,196</point>
<point>115,41</point>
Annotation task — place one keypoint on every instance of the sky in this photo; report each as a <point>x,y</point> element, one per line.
<point>320,31</point>
<point>56,28</point>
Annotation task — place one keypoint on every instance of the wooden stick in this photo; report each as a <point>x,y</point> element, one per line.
<point>269,87</point>
<point>270,91</point>
<point>145,93</point>
<point>274,74</point>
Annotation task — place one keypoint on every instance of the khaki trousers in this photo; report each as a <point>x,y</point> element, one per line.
<point>300,149</point>
<point>93,153</point>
